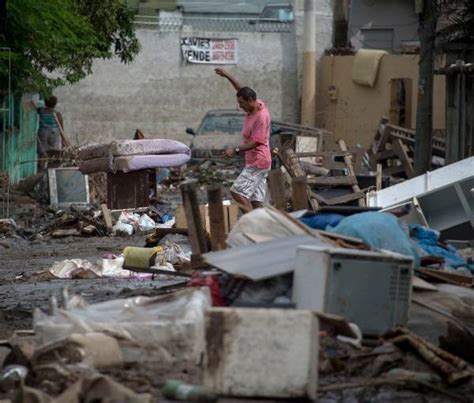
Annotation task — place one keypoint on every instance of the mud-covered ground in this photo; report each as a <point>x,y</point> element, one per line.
<point>21,291</point>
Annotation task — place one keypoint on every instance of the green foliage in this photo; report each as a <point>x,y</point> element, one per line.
<point>54,42</point>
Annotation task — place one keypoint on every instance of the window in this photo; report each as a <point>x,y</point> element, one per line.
<point>277,12</point>
<point>372,38</point>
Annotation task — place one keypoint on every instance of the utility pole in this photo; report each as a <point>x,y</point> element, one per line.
<point>424,113</point>
<point>308,86</point>
<point>340,23</point>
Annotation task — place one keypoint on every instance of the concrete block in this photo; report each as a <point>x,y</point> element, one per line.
<point>261,352</point>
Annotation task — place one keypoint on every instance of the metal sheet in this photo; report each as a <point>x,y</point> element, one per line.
<point>262,260</point>
<point>445,196</point>
<point>423,184</point>
<point>18,138</point>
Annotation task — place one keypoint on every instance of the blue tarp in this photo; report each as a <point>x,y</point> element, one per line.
<point>427,239</point>
<point>322,220</point>
<point>378,230</point>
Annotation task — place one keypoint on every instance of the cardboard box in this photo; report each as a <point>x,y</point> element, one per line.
<point>231,215</point>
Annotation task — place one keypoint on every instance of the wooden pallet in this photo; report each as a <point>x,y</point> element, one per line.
<point>331,160</point>
<point>394,148</point>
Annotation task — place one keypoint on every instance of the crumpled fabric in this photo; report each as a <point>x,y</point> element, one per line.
<point>428,240</point>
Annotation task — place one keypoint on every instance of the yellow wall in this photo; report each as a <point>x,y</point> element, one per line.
<point>355,112</point>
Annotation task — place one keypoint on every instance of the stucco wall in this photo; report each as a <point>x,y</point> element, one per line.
<point>162,95</point>
<point>398,15</point>
<point>356,111</point>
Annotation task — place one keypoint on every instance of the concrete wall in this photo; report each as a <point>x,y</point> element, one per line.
<point>355,111</point>
<point>162,95</point>
<point>398,15</point>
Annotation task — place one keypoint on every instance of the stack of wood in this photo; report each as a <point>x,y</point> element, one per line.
<point>342,160</point>
<point>394,148</point>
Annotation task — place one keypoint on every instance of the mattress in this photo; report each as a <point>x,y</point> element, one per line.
<point>132,147</point>
<point>133,163</point>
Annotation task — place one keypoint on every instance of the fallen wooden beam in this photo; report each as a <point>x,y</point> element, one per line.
<point>277,189</point>
<point>332,180</point>
<point>350,168</point>
<point>107,217</point>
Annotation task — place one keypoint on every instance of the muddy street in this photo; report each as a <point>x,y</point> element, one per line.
<point>22,288</point>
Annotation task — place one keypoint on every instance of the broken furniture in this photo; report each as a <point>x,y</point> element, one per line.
<point>316,185</point>
<point>368,288</point>
<point>394,146</point>
<point>127,163</point>
<point>445,198</point>
<point>128,190</point>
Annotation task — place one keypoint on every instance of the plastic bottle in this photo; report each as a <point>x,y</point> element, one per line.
<point>178,390</point>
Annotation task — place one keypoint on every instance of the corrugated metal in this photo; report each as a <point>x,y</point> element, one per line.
<point>262,260</point>
<point>19,127</point>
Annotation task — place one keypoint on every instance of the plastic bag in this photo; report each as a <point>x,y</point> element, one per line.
<point>169,326</point>
<point>145,223</point>
<point>177,248</point>
<point>122,227</point>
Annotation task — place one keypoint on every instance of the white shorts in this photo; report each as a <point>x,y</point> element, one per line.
<point>251,184</point>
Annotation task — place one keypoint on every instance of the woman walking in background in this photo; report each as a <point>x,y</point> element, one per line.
<point>49,135</point>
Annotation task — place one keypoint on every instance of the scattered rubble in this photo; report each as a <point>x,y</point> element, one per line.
<point>371,293</point>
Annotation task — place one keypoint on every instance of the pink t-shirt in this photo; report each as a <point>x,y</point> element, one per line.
<point>257,129</point>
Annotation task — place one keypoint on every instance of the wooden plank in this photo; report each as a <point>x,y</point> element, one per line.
<point>233,212</point>
<point>399,148</point>
<point>326,154</point>
<point>446,277</point>
<point>204,211</point>
<point>378,182</point>
<point>332,180</point>
<point>299,193</point>
<point>328,159</point>
<point>197,235</point>
<point>381,136</point>
<point>277,189</point>
<point>294,166</point>
<point>180,218</point>
<point>340,199</point>
<point>384,155</point>
<point>295,170</point>
<point>60,233</point>
<point>216,218</point>
<point>350,168</point>
<point>394,170</point>
<point>107,217</point>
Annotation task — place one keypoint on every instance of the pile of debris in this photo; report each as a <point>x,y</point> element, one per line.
<point>243,289</point>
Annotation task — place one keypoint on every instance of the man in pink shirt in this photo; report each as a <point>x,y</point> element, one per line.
<point>250,187</point>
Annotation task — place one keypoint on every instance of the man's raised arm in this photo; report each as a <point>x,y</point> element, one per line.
<point>221,72</point>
